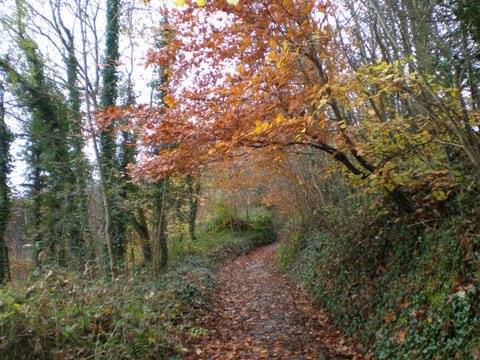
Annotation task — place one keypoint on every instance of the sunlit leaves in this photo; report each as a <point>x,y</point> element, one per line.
<point>254,92</point>
<point>260,128</point>
<point>181,3</point>
<point>169,101</point>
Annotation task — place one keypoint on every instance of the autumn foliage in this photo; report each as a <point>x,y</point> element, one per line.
<point>258,75</point>
<point>347,132</point>
<point>275,75</point>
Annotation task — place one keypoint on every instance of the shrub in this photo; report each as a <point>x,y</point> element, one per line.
<point>69,317</point>
<point>224,218</point>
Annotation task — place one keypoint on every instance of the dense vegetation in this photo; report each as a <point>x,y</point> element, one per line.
<point>402,289</point>
<point>353,125</point>
<point>68,315</point>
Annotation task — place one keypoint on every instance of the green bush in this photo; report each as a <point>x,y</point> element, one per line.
<point>225,219</point>
<point>263,229</point>
<point>426,331</point>
<point>290,249</point>
<point>217,243</point>
<point>70,317</point>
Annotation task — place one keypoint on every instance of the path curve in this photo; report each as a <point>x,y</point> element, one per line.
<point>260,314</point>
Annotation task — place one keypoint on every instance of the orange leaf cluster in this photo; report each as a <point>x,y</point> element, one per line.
<point>252,76</point>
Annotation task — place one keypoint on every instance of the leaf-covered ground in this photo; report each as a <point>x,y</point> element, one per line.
<point>260,314</point>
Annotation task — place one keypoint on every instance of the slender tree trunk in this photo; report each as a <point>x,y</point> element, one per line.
<point>160,241</point>
<point>35,218</point>
<point>5,202</point>
<point>103,184</point>
<point>193,186</point>
<point>161,248</point>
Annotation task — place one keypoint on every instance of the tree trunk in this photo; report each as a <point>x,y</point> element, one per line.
<point>140,225</point>
<point>161,246</point>
<point>107,137</point>
<point>5,203</point>
<point>103,184</point>
<point>160,240</point>
<point>193,194</point>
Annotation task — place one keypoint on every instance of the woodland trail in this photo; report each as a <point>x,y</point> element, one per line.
<point>260,314</point>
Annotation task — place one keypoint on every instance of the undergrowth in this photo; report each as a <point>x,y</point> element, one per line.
<point>221,240</point>
<point>67,316</point>
<point>404,290</point>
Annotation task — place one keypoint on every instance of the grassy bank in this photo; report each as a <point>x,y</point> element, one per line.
<point>403,289</point>
<point>67,316</point>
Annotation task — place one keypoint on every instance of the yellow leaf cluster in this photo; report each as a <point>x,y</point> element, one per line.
<point>260,128</point>
<point>181,3</point>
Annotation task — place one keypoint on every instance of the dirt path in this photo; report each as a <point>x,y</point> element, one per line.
<point>260,314</point>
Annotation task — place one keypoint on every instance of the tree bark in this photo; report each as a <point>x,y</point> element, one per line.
<point>160,261</point>
<point>193,188</point>
<point>140,225</point>
<point>5,202</point>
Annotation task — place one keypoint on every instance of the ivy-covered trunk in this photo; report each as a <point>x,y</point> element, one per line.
<point>5,202</point>
<point>193,186</point>
<point>77,192</point>
<point>160,241</point>
<point>52,170</point>
<point>140,225</point>
<point>109,159</point>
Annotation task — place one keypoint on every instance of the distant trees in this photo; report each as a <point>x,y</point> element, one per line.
<point>468,12</point>
<point>443,60</point>
<point>54,154</point>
